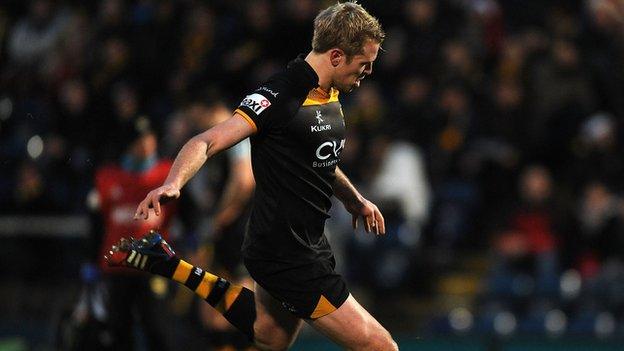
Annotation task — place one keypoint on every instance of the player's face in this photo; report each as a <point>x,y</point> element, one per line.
<point>349,74</point>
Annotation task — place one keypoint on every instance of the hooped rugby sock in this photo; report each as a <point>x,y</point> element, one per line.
<point>236,303</point>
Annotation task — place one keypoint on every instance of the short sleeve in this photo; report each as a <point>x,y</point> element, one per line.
<point>276,101</point>
<point>259,107</point>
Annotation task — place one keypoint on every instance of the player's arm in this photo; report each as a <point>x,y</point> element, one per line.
<point>357,205</point>
<point>192,156</point>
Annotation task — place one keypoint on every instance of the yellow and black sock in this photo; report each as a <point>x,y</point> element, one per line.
<point>236,303</point>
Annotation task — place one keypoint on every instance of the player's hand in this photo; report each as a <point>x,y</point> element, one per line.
<point>154,199</point>
<point>373,220</point>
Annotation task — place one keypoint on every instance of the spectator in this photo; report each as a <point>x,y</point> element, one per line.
<point>117,188</point>
<point>526,246</point>
<point>34,37</point>
<point>600,259</point>
<point>597,153</point>
<point>400,186</point>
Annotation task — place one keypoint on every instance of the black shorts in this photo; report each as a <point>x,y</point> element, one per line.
<point>309,290</point>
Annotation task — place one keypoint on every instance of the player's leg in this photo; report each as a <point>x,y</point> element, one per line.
<point>220,332</point>
<point>154,255</point>
<point>352,327</point>
<point>226,262</point>
<point>275,327</point>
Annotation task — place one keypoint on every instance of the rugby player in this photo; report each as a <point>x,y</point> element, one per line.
<point>296,126</point>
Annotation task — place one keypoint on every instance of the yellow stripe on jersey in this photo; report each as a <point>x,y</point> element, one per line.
<point>317,96</point>
<point>247,118</point>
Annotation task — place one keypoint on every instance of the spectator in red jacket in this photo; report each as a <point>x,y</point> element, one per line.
<point>526,258</point>
<point>117,189</point>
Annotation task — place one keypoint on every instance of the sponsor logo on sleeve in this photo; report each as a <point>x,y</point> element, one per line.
<point>275,94</point>
<point>256,102</point>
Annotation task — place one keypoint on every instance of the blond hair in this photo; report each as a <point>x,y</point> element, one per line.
<point>346,26</point>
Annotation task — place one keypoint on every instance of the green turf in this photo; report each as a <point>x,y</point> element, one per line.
<point>478,344</point>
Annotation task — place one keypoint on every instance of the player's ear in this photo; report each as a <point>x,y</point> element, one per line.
<point>336,56</point>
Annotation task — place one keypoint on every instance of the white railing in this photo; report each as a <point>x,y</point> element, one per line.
<point>44,226</point>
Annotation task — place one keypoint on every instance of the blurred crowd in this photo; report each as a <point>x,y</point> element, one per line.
<point>488,128</point>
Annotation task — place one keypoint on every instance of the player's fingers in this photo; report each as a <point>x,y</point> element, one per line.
<point>157,205</point>
<point>354,221</point>
<point>150,201</point>
<point>149,204</point>
<point>367,223</point>
<point>137,213</point>
<point>139,210</point>
<point>381,222</point>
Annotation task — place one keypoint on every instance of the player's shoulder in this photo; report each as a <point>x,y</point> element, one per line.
<point>274,99</point>
<point>298,77</point>
<point>296,80</point>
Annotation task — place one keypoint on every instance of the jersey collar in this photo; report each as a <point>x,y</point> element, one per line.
<point>303,72</point>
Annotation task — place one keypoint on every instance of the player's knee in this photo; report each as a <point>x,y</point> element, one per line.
<point>389,344</point>
<point>269,338</point>
<point>384,344</point>
<point>381,341</point>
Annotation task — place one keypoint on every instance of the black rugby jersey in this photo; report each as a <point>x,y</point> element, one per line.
<point>295,150</point>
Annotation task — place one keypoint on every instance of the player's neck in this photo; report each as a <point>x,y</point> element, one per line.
<point>320,65</point>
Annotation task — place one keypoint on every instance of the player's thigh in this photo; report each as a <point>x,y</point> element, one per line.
<point>275,328</point>
<point>354,328</point>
